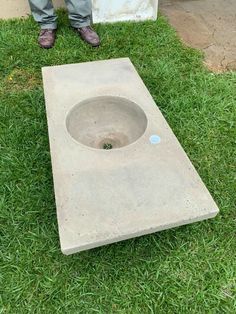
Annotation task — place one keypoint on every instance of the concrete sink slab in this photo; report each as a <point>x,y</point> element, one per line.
<point>119,171</point>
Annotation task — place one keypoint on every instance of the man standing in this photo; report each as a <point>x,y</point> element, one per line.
<point>80,16</point>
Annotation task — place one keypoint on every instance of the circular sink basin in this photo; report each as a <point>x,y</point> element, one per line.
<point>106,122</point>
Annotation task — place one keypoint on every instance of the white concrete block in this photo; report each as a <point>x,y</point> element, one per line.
<point>124,10</point>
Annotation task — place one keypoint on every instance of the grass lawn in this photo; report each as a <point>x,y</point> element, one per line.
<point>190,269</point>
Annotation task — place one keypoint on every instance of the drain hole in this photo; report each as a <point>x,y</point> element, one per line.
<point>107,146</point>
<point>112,141</point>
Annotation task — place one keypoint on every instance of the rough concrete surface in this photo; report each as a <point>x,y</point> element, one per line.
<point>118,169</point>
<point>19,8</point>
<point>209,25</point>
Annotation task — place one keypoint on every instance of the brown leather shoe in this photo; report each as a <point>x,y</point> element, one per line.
<point>47,38</point>
<point>89,35</point>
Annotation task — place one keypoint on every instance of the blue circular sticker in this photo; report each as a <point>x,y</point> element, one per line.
<point>154,139</point>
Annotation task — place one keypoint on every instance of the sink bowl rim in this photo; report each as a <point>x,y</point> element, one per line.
<point>99,149</point>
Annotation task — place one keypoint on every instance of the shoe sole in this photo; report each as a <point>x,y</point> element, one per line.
<point>49,47</point>
<point>92,45</point>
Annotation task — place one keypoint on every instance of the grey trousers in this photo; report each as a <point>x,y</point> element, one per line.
<point>80,13</point>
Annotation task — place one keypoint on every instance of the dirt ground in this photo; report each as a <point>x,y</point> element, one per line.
<point>209,25</point>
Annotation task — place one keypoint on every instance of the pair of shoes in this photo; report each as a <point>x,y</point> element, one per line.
<point>47,37</point>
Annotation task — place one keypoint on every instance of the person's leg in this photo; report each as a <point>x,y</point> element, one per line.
<point>80,16</point>
<point>43,13</point>
<point>80,12</point>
